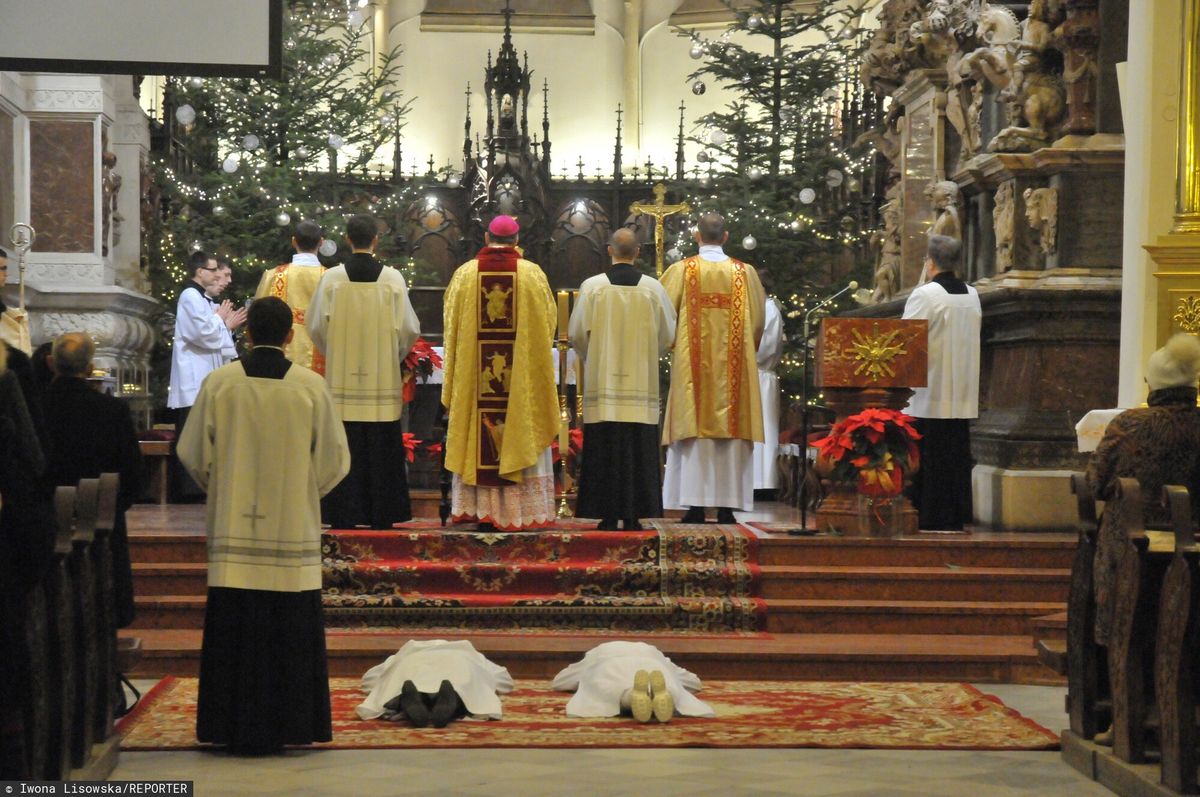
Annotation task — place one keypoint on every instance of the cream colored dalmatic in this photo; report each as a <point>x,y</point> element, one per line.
<point>265,450</point>
<point>363,368</point>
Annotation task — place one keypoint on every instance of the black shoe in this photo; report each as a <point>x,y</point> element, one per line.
<point>632,524</point>
<point>413,706</point>
<point>693,515</point>
<point>607,525</point>
<point>725,516</point>
<point>445,708</point>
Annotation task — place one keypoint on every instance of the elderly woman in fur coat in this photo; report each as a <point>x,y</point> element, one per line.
<point>1158,444</point>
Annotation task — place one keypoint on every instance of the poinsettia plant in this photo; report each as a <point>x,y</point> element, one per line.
<point>874,449</point>
<point>419,363</point>
<point>410,446</point>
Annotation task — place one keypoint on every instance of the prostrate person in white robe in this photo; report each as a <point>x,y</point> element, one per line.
<point>614,677</point>
<point>622,323</point>
<point>770,352</point>
<point>434,681</point>
<point>362,323</point>
<point>941,488</point>
<point>264,440</point>
<point>203,343</point>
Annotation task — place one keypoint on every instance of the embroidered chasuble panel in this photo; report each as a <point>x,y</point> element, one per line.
<point>496,349</point>
<point>298,297</point>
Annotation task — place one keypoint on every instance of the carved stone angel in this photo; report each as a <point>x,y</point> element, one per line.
<point>943,196</point>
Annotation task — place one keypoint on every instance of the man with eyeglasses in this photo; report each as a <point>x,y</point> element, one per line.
<point>14,322</point>
<point>202,345</point>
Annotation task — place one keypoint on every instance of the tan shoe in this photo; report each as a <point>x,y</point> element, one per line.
<point>660,698</point>
<point>640,703</point>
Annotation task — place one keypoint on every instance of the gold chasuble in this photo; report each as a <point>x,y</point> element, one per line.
<point>714,375</point>
<point>14,329</point>
<point>499,370</point>
<point>295,284</point>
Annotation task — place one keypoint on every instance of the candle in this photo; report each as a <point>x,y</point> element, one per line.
<point>564,313</point>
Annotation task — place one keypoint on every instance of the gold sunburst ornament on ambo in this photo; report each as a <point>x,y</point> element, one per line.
<point>875,353</point>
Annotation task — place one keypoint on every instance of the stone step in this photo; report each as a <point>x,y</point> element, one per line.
<point>168,548</point>
<point>914,583</point>
<point>902,617</point>
<point>834,657</point>
<point>1019,551</point>
<point>1050,626</point>
<point>152,579</point>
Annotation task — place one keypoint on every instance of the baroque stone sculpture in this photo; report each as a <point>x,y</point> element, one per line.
<point>1004,219</point>
<point>1041,211</point>
<point>943,197</point>
<point>887,260</point>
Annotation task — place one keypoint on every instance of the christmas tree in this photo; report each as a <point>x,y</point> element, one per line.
<point>261,154</point>
<point>778,161</point>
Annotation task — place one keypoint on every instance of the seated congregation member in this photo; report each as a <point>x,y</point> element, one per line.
<point>622,323</point>
<point>1158,445</point>
<point>362,323</point>
<point>92,433</point>
<point>434,682</point>
<point>264,440</point>
<point>295,283</point>
<point>630,677</point>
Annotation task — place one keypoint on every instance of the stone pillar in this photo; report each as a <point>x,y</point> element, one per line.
<point>84,273</point>
<point>633,79</point>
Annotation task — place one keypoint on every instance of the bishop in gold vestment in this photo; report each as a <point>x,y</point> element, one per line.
<point>714,411</point>
<point>295,283</point>
<point>499,331</point>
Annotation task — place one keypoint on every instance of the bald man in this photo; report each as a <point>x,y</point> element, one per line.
<point>622,323</point>
<point>91,433</point>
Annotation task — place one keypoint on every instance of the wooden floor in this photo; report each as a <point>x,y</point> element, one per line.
<point>926,607</point>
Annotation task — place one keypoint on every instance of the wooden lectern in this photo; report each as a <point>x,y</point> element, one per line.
<point>861,363</point>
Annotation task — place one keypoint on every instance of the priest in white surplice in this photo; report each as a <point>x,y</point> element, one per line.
<point>264,440</point>
<point>714,411</point>
<point>770,351</point>
<point>630,676</point>
<point>362,323</point>
<point>622,323</point>
<point>941,489</point>
<point>433,681</point>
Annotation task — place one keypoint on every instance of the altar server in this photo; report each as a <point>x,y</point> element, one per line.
<point>362,322</point>
<point>14,322</point>
<point>714,410</point>
<point>499,329</point>
<point>770,351</point>
<point>264,440</point>
<point>622,323</point>
<point>941,488</point>
<point>630,676</point>
<point>434,681</point>
<point>295,283</point>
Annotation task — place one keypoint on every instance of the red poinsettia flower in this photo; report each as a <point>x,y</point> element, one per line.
<point>873,448</point>
<point>410,446</point>
<point>433,450</point>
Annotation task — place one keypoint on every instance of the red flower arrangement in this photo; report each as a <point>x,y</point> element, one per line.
<point>419,362</point>
<point>574,444</point>
<point>874,448</point>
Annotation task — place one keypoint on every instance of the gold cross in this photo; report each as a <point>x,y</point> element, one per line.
<point>659,210</point>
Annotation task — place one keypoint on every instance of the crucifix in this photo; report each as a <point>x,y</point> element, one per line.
<point>359,375</point>
<point>254,517</point>
<point>659,210</point>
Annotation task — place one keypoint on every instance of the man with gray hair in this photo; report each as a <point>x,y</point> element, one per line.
<point>622,323</point>
<point>714,411</point>
<point>941,489</point>
<point>92,433</point>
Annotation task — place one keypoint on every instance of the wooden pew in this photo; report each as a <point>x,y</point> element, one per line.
<point>1089,703</point>
<point>87,626</point>
<point>1177,650</point>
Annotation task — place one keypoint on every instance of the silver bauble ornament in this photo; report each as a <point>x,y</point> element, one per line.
<point>185,114</point>
<point>356,18</point>
<point>283,218</point>
<point>302,151</point>
<point>218,210</point>
<point>329,60</point>
<point>328,247</point>
<point>674,255</point>
<point>386,120</point>
<point>703,156</point>
<point>807,196</point>
<point>754,22</point>
<point>697,51</point>
<point>250,142</point>
<point>336,141</point>
<point>290,44</point>
<point>834,178</point>
<point>196,82</point>
<point>717,137</point>
<point>749,242</point>
<point>754,173</point>
<point>699,88</point>
<point>453,180</point>
<point>854,185</point>
<point>230,164</point>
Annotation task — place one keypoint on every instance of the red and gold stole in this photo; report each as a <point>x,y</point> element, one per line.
<point>279,289</point>
<point>496,283</point>
<point>732,303</point>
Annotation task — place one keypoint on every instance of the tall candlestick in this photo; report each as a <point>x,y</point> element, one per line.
<point>564,313</point>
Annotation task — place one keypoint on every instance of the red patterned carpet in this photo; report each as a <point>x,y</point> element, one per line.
<point>674,577</point>
<point>915,716</point>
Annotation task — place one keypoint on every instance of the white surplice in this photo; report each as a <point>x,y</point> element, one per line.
<point>427,663</point>
<point>202,345</point>
<point>954,324</point>
<point>365,330</point>
<point>607,670</point>
<point>620,331</point>
<point>770,352</point>
<point>265,450</point>
<point>14,329</point>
